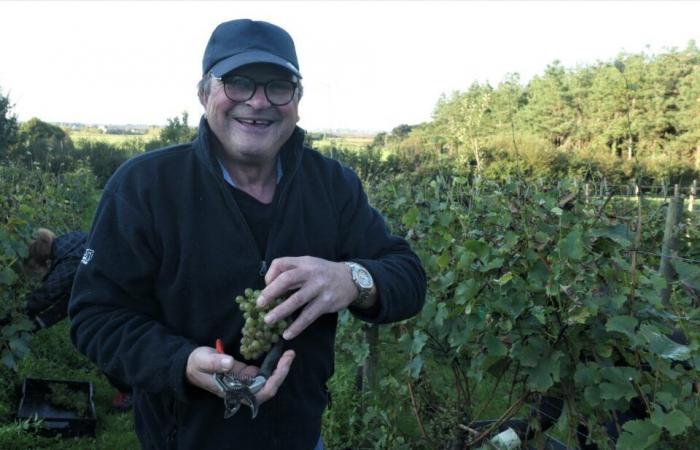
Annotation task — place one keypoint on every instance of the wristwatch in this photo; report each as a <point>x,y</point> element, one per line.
<point>363,280</point>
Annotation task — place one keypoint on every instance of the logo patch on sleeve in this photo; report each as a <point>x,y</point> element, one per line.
<point>87,256</point>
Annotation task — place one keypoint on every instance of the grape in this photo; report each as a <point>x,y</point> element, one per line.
<point>258,337</point>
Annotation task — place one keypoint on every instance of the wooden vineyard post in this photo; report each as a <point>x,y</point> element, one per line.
<point>372,360</point>
<point>637,242</point>
<point>691,198</point>
<point>587,190</point>
<point>670,243</point>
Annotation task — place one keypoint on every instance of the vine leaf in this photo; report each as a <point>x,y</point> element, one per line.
<point>7,276</point>
<point>638,435</point>
<point>618,233</point>
<point>622,324</point>
<point>663,346</point>
<point>494,347</point>
<point>414,367</point>
<point>546,373</point>
<point>688,273</point>
<point>675,422</point>
<point>571,247</point>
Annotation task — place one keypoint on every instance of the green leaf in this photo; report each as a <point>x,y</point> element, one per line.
<point>495,263</point>
<point>414,366</point>
<point>480,249</point>
<point>19,346</point>
<point>545,374</point>
<point>619,65</point>
<point>538,313</point>
<point>617,384</point>
<point>419,340</point>
<point>675,422</point>
<point>618,233</point>
<point>444,259</point>
<point>446,280</point>
<point>578,315</point>
<point>466,290</point>
<point>410,217</point>
<point>638,435</point>
<point>494,346</point>
<point>537,277</point>
<point>7,276</point>
<point>528,354</point>
<point>587,374</point>
<point>688,273</point>
<point>441,315</point>
<point>622,324</point>
<point>556,211</point>
<point>663,346</point>
<point>505,278</point>
<point>571,247</point>
<point>465,260</point>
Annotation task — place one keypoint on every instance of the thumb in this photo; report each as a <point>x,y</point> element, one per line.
<point>224,363</point>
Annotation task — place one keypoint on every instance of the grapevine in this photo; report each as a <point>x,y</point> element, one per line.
<point>258,337</point>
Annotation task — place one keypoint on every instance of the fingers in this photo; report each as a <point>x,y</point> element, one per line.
<point>203,362</point>
<point>283,276</point>
<point>277,378</point>
<point>321,287</point>
<point>291,304</point>
<point>306,317</point>
<point>279,266</point>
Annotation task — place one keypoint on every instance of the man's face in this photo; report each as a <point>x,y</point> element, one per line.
<point>251,132</point>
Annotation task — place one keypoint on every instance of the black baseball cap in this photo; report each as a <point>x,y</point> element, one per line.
<point>240,42</point>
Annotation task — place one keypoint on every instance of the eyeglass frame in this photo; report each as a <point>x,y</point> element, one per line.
<point>295,84</point>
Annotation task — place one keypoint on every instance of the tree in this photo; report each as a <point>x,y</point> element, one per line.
<point>554,105</point>
<point>175,132</point>
<point>44,144</point>
<point>8,126</point>
<point>401,132</point>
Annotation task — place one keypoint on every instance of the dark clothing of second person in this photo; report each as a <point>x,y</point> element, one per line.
<point>48,304</point>
<point>172,249</point>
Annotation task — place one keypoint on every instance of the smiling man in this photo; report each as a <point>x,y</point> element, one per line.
<point>180,232</point>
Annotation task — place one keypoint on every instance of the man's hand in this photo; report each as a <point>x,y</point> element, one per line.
<point>321,287</point>
<point>203,362</point>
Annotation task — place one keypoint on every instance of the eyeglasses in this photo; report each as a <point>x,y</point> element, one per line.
<point>241,89</point>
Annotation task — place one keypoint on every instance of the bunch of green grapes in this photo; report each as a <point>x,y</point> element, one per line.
<point>258,337</point>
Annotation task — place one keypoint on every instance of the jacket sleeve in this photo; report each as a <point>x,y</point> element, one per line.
<point>395,268</point>
<point>116,320</point>
<point>49,302</point>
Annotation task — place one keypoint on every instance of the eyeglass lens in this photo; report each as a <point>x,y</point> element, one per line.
<point>240,89</point>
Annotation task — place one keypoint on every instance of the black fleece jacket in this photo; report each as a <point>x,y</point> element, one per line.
<point>168,252</point>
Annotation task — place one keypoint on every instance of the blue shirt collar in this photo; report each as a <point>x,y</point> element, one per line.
<point>230,181</point>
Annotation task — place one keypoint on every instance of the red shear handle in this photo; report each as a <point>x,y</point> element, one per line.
<point>219,346</point>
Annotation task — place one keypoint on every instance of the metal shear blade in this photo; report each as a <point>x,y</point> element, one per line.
<point>236,391</point>
<point>239,390</point>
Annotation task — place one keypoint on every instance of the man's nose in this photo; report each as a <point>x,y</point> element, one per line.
<point>259,99</point>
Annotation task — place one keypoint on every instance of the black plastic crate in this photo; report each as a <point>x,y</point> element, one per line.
<point>520,425</point>
<point>56,419</point>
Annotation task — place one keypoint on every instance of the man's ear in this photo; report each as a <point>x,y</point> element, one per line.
<point>203,98</point>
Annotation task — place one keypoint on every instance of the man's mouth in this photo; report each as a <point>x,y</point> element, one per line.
<point>254,122</point>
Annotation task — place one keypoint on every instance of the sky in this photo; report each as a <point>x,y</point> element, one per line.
<point>367,66</point>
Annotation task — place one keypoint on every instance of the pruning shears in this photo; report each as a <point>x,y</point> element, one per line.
<point>239,389</point>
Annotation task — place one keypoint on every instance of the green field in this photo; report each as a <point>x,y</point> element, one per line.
<point>115,139</point>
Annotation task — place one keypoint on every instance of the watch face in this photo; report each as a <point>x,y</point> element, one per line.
<point>364,279</point>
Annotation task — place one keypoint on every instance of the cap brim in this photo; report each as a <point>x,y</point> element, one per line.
<point>251,57</point>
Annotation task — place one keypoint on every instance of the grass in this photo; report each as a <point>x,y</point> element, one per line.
<point>53,356</point>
